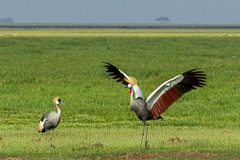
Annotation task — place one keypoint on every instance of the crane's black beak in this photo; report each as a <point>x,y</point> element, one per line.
<point>125,86</point>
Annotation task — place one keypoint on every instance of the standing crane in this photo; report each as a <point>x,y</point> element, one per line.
<point>50,120</point>
<point>161,98</point>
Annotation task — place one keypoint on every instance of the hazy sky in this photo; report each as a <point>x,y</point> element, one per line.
<point>121,11</point>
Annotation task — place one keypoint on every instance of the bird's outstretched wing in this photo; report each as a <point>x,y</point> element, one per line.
<point>167,93</point>
<point>116,73</point>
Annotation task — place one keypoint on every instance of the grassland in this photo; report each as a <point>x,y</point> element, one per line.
<point>114,32</point>
<point>40,64</point>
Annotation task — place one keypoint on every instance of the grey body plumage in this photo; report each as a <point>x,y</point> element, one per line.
<point>51,122</point>
<point>139,106</point>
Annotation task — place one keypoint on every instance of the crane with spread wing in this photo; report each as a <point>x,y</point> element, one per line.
<point>161,98</point>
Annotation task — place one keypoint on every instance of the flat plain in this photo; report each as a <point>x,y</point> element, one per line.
<point>40,64</point>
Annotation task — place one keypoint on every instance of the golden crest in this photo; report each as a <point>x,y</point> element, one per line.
<point>132,80</point>
<point>54,100</point>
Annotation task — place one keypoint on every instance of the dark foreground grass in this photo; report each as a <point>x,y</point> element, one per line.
<point>34,70</point>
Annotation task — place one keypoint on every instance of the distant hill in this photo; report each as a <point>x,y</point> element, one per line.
<point>6,20</point>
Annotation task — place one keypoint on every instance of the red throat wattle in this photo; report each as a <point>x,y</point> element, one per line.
<point>58,106</point>
<point>130,90</point>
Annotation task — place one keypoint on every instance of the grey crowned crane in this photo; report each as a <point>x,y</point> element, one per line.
<point>50,120</point>
<point>161,98</point>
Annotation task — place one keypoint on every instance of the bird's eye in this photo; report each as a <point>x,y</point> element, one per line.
<point>59,100</point>
<point>129,85</point>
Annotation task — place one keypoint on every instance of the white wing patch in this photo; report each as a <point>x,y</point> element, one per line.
<point>125,75</point>
<point>41,125</point>
<point>162,89</point>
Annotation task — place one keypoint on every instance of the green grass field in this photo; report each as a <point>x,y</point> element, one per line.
<point>39,64</point>
<point>114,32</point>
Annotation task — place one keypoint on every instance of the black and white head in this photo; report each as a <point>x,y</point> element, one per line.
<point>129,86</point>
<point>57,100</point>
<point>131,82</point>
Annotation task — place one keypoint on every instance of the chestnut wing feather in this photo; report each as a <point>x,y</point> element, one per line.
<point>169,92</point>
<point>116,73</point>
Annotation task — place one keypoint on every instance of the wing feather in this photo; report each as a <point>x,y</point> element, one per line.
<point>169,92</point>
<point>116,73</point>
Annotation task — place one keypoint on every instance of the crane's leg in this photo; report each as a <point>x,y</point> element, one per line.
<point>146,141</point>
<point>46,137</point>
<point>51,145</point>
<point>142,134</point>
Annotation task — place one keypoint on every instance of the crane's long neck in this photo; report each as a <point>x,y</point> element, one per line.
<point>137,91</point>
<point>58,110</point>
<point>131,96</point>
